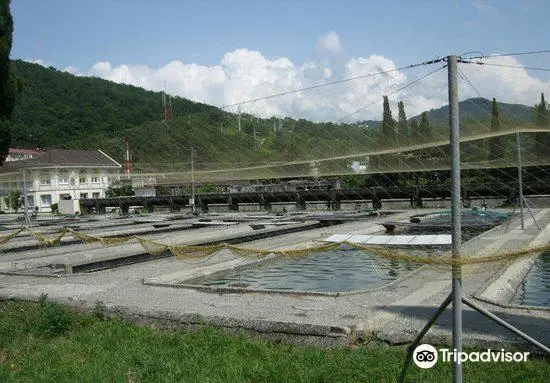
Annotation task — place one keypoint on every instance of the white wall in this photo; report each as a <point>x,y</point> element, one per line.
<point>61,181</point>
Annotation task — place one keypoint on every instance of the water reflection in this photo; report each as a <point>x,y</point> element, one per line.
<point>535,289</point>
<point>334,271</point>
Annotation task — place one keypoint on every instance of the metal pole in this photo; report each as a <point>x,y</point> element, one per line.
<point>455,212</point>
<point>419,337</point>
<point>506,325</point>
<point>25,201</point>
<point>520,181</point>
<point>531,213</point>
<point>192,180</point>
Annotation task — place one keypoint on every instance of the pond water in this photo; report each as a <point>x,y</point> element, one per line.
<point>332,271</point>
<point>535,289</point>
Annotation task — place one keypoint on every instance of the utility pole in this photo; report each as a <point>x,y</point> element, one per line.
<point>255,143</point>
<point>455,213</point>
<point>521,197</point>
<point>25,201</point>
<point>239,117</point>
<point>192,201</point>
<point>456,297</point>
<point>520,181</point>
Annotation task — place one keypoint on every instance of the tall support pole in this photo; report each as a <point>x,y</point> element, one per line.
<point>193,209</point>
<point>239,117</point>
<point>26,201</point>
<point>520,181</point>
<point>455,212</point>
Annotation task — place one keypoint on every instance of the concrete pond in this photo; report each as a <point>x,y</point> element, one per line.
<point>364,296</point>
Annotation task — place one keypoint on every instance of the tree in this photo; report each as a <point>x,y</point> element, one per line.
<point>7,80</point>
<point>541,120</point>
<point>402,126</point>
<point>386,139</point>
<point>496,150</point>
<point>541,117</point>
<point>425,130</point>
<point>14,200</point>
<point>121,191</point>
<point>415,132</point>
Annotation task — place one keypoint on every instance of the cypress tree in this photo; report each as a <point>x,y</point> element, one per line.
<point>7,81</point>
<point>415,132</point>
<point>425,129</point>
<point>541,120</point>
<point>402,126</point>
<point>496,150</point>
<point>387,136</point>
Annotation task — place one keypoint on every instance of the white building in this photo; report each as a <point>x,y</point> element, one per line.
<point>56,174</point>
<point>15,154</point>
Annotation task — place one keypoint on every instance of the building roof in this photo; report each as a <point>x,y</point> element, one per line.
<point>53,158</point>
<point>25,151</point>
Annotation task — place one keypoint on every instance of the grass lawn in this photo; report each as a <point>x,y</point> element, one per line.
<point>45,342</point>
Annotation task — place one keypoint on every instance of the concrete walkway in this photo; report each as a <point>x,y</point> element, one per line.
<point>393,313</point>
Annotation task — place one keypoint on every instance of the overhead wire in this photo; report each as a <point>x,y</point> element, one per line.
<point>331,83</point>
<point>392,93</point>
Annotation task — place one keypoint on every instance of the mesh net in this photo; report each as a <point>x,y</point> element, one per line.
<point>364,139</point>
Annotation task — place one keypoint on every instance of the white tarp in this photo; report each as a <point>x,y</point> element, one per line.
<point>394,240</point>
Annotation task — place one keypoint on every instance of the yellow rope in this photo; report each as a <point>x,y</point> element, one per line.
<point>6,238</point>
<point>205,251</point>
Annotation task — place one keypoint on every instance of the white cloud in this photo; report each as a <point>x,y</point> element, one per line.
<point>70,69</point>
<point>36,61</point>
<point>244,74</point>
<point>330,43</point>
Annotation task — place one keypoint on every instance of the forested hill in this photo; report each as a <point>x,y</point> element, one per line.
<point>55,107</point>
<point>480,108</point>
<point>58,110</point>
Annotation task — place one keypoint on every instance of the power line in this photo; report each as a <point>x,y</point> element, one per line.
<point>463,75</point>
<point>505,65</point>
<point>332,83</point>
<point>482,56</point>
<point>395,91</point>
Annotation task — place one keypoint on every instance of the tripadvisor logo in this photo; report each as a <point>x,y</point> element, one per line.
<point>426,356</point>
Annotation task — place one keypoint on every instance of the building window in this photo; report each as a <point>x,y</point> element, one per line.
<point>46,200</point>
<point>82,180</point>
<point>95,180</point>
<point>83,195</point>
<point>63,180</point>
<point>95,195</point>
<point>45,182</point>
<point>65,196</point>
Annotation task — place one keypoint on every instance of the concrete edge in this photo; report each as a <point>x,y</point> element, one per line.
<point>290,332</point>
<point>503,287</point>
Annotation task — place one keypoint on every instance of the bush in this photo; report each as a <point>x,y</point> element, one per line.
<point>52,319</point>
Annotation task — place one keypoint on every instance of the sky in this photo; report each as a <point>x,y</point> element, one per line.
<point>223,53</point>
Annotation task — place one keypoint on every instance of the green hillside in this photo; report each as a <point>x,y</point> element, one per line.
<point>58,110</point>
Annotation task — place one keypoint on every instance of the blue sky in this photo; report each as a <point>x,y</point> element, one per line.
<point>142,37</point>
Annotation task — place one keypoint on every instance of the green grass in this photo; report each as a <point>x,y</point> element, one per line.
<point>45,342</point>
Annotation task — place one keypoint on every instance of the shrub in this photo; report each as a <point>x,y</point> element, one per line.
<point>52,319</point>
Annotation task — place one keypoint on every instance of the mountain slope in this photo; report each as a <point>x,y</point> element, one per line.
<point>56,107</point>
<point>58,110</point>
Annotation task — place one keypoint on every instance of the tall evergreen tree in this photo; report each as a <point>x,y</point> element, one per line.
<point>7,81</point>
<point>496,150</point>
<point>415,132</point>
<point>542,112</point>
<point>541,120</point>
<point>387,134</point>
<point>425,129</point>
<point>402,126</point>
